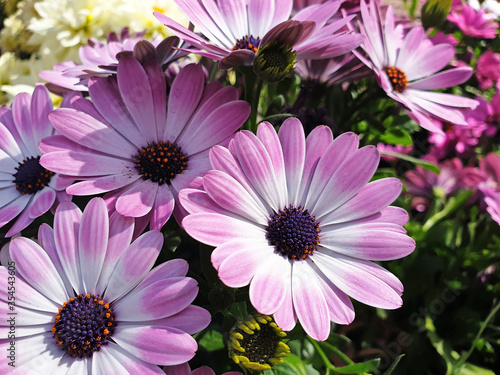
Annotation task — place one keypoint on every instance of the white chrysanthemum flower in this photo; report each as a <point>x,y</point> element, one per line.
<point>14,77</point>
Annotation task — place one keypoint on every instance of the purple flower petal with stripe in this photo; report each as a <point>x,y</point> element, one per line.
<point>145,146</point>
<point>408,66</point>
<point>88,268</point>
<point>297,220</point>
<point>234,32</point>
<point>27,189</point>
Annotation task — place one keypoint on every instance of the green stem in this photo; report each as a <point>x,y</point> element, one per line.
<point>466,356</point>
<point>253,88</point>
<point>322,354</point>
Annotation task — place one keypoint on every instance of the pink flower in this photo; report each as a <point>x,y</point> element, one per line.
<point>99,59</point>
<point>298,221</point>
<point>493,206</point>
<point>440,38</point>
<point>236,31</point>
<point>132,141</point>
<point>87,298</point>
<point>27,189</point>
<point>474,23</point>
<point>488,69</point>
<point>485,180</point>
<point>423,184</point>
<point>462,140</point>
<point>408,68</point>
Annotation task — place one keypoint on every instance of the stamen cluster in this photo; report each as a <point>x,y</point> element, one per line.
<point>397,78</point>
<point>293,232</point>
<point>31,176</point>
<point>247,42</point>
<point>83,325</point>
<point>160,162</point>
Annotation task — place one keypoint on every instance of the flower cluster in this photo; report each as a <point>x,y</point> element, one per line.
<point>242,186</point>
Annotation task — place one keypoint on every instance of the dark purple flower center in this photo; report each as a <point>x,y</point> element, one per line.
<point>247,42</point>
<point>83,325</point>
<point>160,162</point>
<point>397,78</point>
<point>31,176</point>
<point>293,232</point>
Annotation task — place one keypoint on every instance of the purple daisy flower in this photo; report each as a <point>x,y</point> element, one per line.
<point>127,141</point>
<point>408,67</point>
<point>239,29</point>
<point>474,23</point>
<point>298,221</point>
<point>27,190</point>
<point>87,266</point>
<point>100,59</point>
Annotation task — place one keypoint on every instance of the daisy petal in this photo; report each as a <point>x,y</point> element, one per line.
<point>167,346</point>
<point>134,265</point>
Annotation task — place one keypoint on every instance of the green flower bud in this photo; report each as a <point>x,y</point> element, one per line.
<point>274,61</point>
<point>256,344</point>
<point>434,12</point>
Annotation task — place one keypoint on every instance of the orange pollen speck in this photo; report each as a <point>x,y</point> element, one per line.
<point>397,78</point>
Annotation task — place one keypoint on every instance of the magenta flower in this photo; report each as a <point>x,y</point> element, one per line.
<point>488,70</point>
<point>184,369</point>
<point>86,301</point>
<point>408,68</point>
<point>298,221</point>
<point>100,59</point>
<point>423,184</point>
<point>485,180</point>
<point>462,140</point>
<point>127,141</point>
<point>27,190</point>
<point>493,206</point>
<point>235,31</point>
<point>474,23</point>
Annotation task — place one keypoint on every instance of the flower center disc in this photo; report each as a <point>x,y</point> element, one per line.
<point>31,176</point>
<point>160,162</point>
<point>294,232</point>
<point>83,325</point>
<point>397,78</point>
<point>247,42</point>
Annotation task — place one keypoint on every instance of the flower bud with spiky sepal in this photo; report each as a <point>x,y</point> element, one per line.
<point>256,343</point>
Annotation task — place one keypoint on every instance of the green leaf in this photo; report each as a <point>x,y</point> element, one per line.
<point>212,341</point>
<point>239,310</point>
<point>397,137</point>
<point>424,164</point>
<point>293,365</point>
<point>393,366</point>
<point>453,204</point>
<point>359,368</point>
<point>470,369</point>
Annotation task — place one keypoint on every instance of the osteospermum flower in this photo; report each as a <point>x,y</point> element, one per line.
<point>133,142</point>
<point>239,31</point>
<point>27,190</point>
<point>86,301</point>
<point>297,220</point>
<point>100,59</point>
<point>256,343</point>
<point>408,68</point>
<point>474,23</point>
